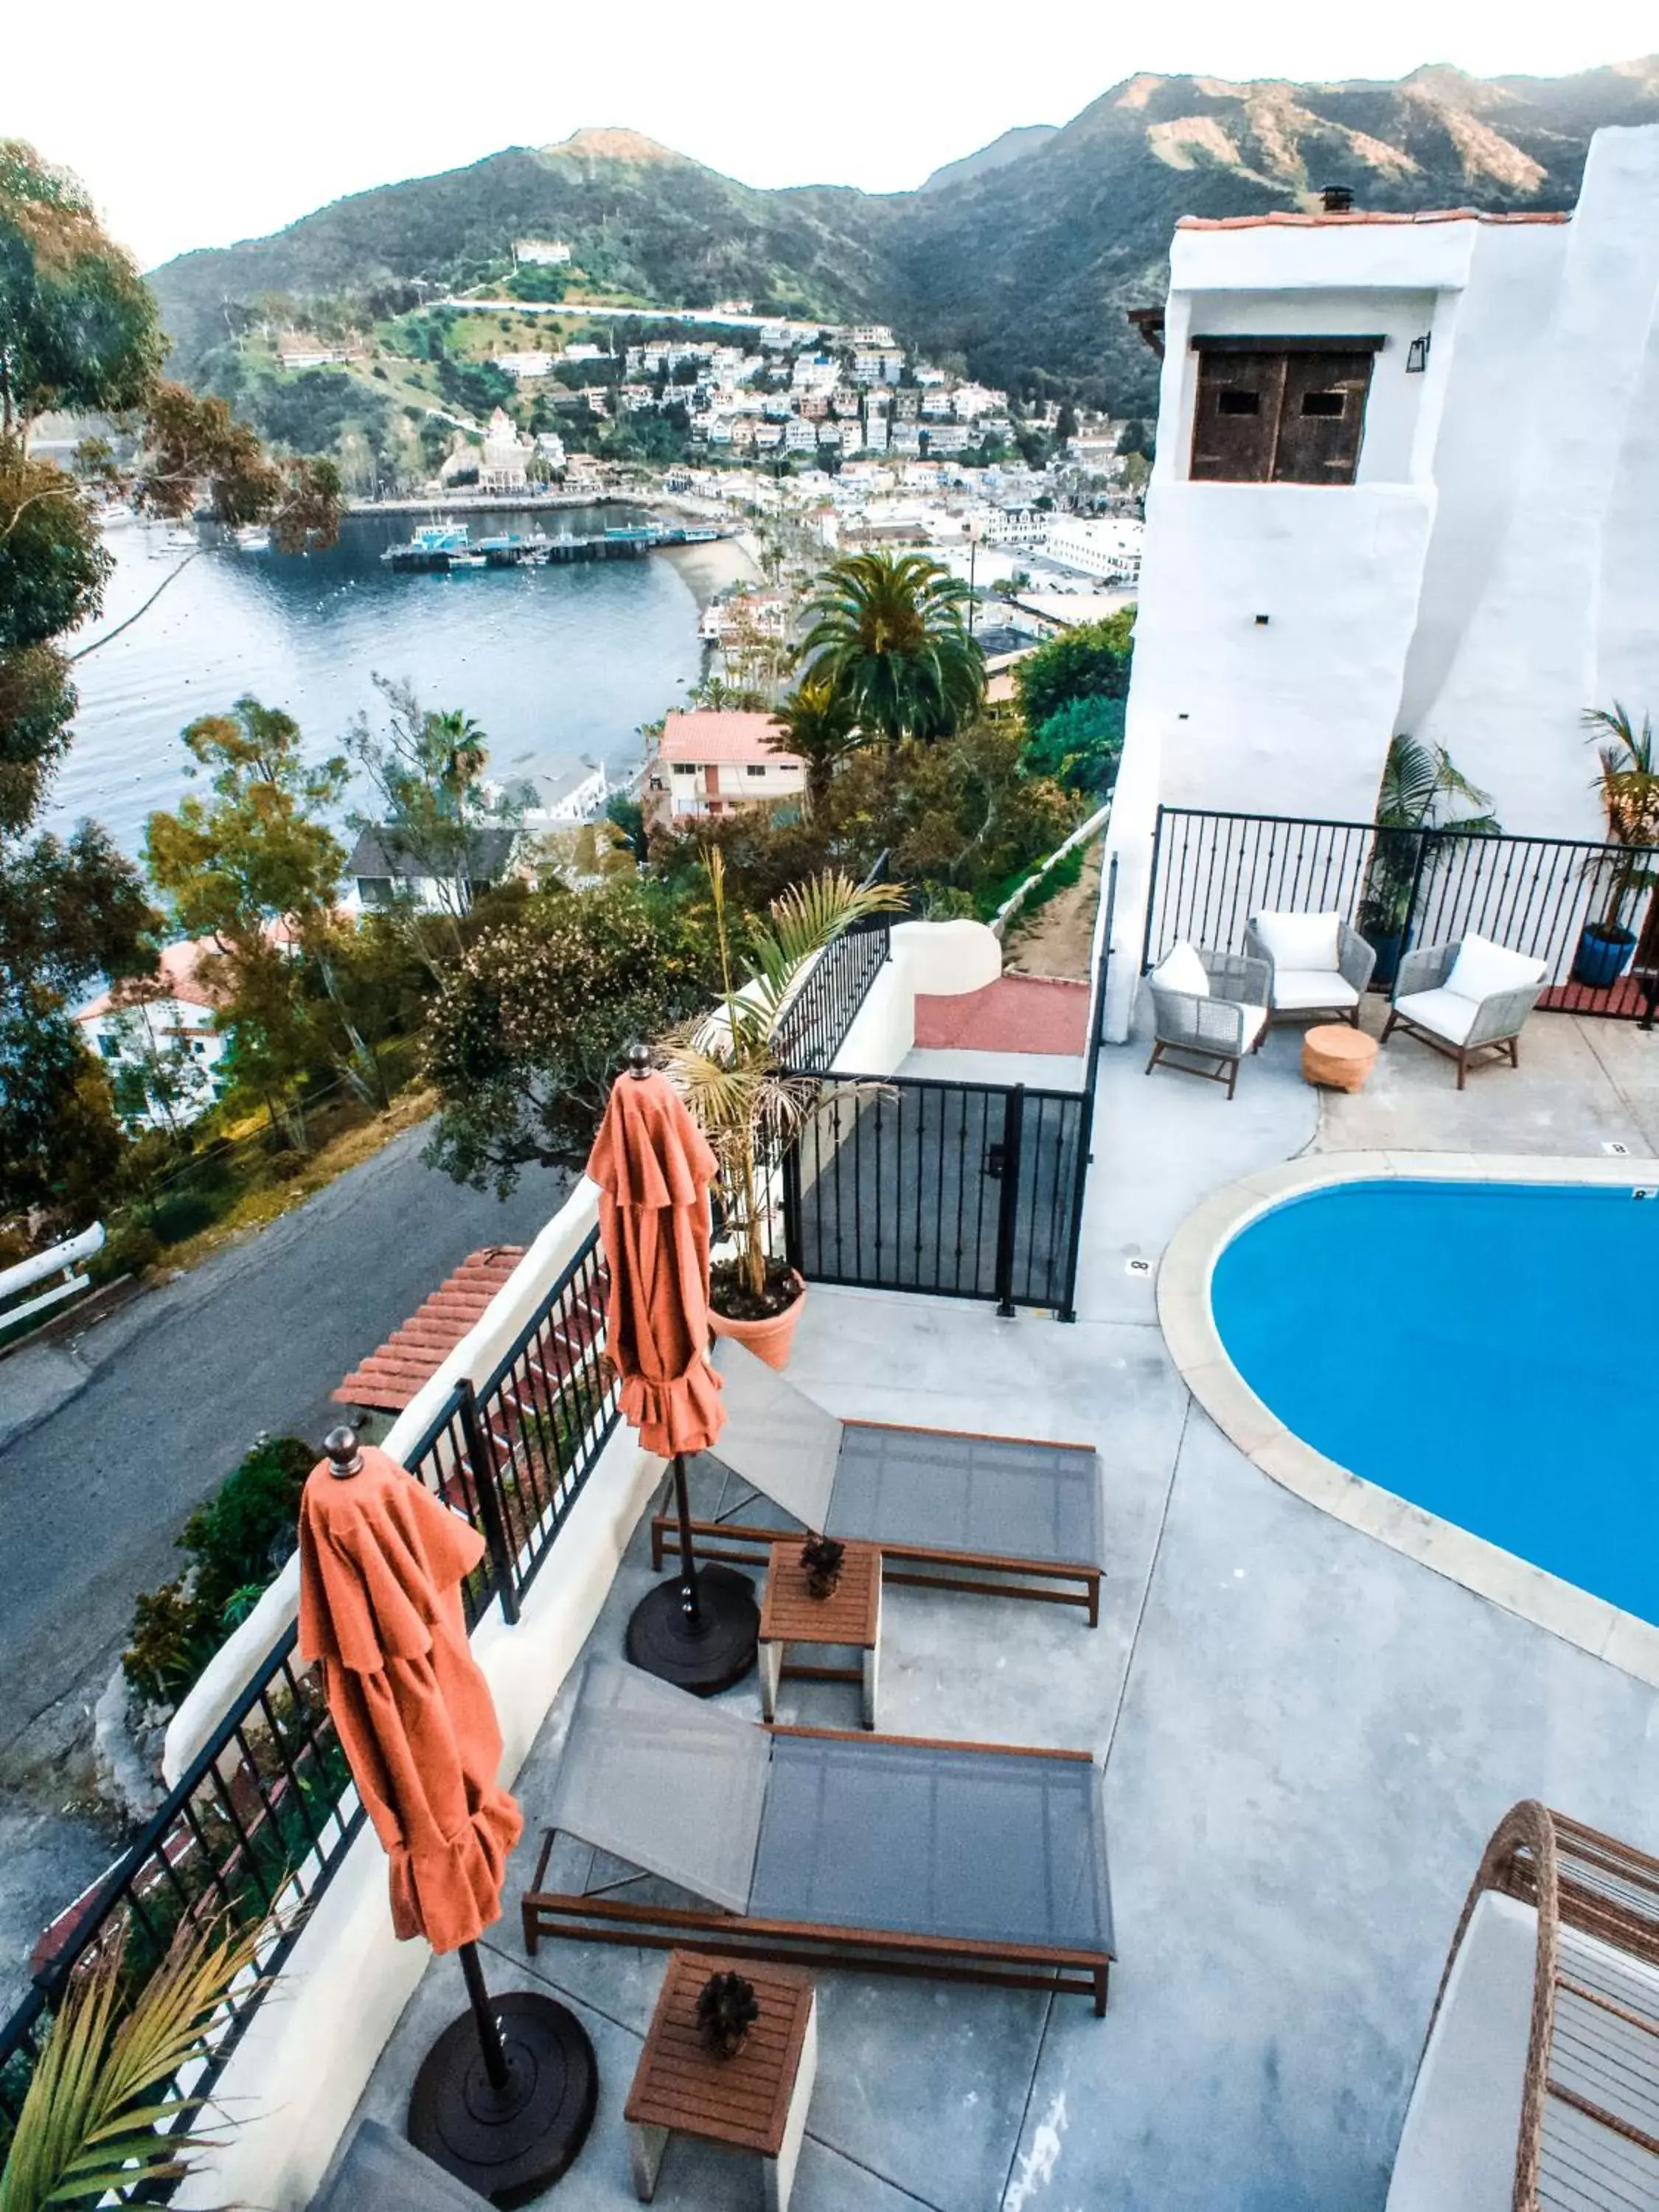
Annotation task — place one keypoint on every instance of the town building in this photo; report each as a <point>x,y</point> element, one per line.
<point>295,351</point>
<point>714,761</point>
<point>551,796</point>
<point>504,460</point>
<point>540,252</point>
<point>386,873</point>
<point>166,1023</point>
<point>523,365</point>
<point>1108,548</point>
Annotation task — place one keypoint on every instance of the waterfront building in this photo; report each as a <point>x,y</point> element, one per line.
<point>552,796</point>
<point>504,460</point>
<point>710,763</point>
<point>385,874</point>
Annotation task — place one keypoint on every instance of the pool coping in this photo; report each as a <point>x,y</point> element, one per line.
<point>1195,1344</point>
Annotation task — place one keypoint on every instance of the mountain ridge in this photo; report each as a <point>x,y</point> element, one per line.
<point>1021,267</point>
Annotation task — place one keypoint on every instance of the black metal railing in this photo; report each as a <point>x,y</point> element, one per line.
<point>815,1022</point>
<point>255,1829</point>
<point>511,1454</point>
<point>251,1835</point>
<point>1413,888</point>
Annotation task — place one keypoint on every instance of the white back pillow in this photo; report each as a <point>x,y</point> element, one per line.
<point>1300,940</point>
<point>1482,969</point>
<point>1181,970</point>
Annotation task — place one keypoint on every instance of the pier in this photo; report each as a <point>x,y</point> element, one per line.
<point>440,549</point>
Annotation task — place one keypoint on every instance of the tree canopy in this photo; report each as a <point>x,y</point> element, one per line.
<point>890,633</point>
<point>1090,661</point>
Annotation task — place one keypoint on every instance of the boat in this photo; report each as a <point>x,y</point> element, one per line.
<point>436,546</point>
<point>252,537</point>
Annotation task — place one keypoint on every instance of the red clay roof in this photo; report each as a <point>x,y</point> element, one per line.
<point>176,977</point>
<point>710,736</point>
<point>1289,219</point>
<point>412,1355</point>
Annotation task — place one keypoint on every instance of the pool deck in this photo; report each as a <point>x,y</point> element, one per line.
<point>1307,1734</point>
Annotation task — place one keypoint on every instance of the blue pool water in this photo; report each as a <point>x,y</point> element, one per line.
<point>1481,1349</point>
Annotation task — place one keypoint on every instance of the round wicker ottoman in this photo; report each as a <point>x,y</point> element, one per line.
<point>1338,1057</point>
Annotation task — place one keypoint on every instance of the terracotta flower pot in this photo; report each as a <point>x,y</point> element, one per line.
<point>769,1339</point>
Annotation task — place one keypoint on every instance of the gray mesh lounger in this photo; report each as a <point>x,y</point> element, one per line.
<point>965,1861</point>
<point>1025,1517</point>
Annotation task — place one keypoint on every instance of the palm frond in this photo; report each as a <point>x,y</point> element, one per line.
<point>96,2116</point>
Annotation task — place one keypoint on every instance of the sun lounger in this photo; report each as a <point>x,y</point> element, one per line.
<point>1026,1518</point>
<point>965,1861</point>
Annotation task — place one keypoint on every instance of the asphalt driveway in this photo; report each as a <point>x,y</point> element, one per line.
<point>105,1444</point>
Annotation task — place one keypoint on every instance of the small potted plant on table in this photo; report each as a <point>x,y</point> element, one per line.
<point>732,1073</point>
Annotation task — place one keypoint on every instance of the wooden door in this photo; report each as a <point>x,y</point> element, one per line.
<point>1236,417</point>
<point>1322,418</point>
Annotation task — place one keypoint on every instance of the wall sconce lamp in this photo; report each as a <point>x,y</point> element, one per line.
<point>1417,356</point>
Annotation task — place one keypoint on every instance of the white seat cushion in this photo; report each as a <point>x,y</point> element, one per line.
<point>1300,940</point>
<point>1298,990</point>
<point>1482,969</point>
<point>1181,970</point>
<point>1254,1016</point>
<point>1443,1011</point>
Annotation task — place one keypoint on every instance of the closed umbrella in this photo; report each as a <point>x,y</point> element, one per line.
<point>653,1170</point>
<point>505,2097</point>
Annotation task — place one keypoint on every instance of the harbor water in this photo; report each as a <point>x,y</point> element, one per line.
<point>554,662</point>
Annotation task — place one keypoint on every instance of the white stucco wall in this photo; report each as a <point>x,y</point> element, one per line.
<point>940,958</point>
<point>1553,628</point>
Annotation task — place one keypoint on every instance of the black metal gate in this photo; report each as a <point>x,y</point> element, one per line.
<point>963,1189</point>
<point>1406,888</point>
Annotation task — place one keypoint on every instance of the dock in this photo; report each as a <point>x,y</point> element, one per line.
<point>439,551</point>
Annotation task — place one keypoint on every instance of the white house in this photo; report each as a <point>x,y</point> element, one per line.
<point>540,252</point>
<point>523,365</point>
<point>552,796</point>
<point>385,874</point>
<point>166,1022</point>
<point>1110,549</point>
<point>504,461</point>
<point>713,762</point>
<point>1408,468</point>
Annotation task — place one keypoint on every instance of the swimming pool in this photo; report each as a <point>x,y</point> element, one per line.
<point>1480,1349</point>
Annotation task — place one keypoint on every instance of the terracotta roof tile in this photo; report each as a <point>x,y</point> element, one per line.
<point>1288,219</point>
<point>709,735</point>
<point>411,1355</point>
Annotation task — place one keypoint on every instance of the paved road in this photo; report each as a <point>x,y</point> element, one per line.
<point>125,1432</point>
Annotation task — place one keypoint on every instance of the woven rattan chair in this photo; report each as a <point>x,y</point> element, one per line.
<point>1221,1027</point>
<point>1539,2082</point>
<point>1317,965</point>
<point>1435,1000</point>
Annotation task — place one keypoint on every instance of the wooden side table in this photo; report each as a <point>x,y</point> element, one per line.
<point>757,2102</point>
<point>1338,1057</point>
<point>850,1616</point>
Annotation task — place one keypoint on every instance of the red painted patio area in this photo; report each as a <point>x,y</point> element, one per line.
<point>1017,1014</point>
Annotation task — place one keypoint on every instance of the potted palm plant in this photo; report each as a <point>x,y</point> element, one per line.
<point>1627,784</point>
<point>1419,784</point>
<point>732,1076</point>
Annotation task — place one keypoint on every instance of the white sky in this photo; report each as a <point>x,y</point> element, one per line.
<point>196,121</point>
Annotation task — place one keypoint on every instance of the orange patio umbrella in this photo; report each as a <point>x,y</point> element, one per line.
<point>505,2097</point>
<point>653,1170</point>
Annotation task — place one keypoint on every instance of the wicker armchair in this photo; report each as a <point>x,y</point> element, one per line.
<point>1222,1027</point>
<point>1467,998</point>
<point>1317,963</point>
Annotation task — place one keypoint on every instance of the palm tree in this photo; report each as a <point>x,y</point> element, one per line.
<point>890,632</point>
<point>820,725</point>
<point>1420,784</point>
<point>97,2115</point>
<point>729,1067</point>
<point>1628,786</point>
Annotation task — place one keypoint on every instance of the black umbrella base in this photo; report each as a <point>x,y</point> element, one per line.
<point>508,2145</point>
<point>717,1653</point>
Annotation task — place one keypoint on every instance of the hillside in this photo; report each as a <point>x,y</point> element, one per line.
<point>1023,138</point>
<point>1023,264</point>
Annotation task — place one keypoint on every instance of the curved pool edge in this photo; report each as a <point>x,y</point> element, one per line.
<point>1194,1344</point>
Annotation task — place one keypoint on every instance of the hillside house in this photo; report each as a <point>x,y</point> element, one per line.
<point>711,762</point>
<point>1406,476</point>
<point>504,461</point>
<point>540,252</point>
<point>385,874</point>
<point>553,796</point>
<point>169,1021</point>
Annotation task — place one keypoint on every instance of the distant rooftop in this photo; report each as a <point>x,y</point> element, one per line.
<point>377,853</point>
<point>711,737</point>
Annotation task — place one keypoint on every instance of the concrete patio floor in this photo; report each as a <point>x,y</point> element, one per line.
<point>1307,1736</point>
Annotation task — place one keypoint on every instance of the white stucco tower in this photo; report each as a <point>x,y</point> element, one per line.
<point>1407,478</point>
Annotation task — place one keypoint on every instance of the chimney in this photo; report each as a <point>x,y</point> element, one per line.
<point>1336,199</point>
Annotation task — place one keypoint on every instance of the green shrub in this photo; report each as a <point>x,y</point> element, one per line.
<point>238,1542</point>
<point>130,1248</point>
<point>181,1214</point>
